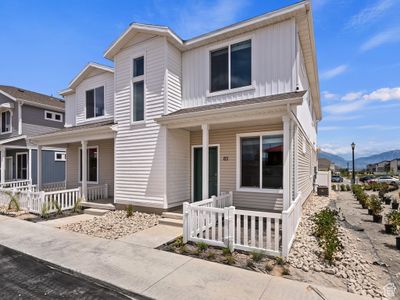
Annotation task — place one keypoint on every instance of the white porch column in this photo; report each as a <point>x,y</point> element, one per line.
<point>30,165</point>
<point>205,128</point>
<point>286,162</point>
<point>3,164</point>
<point>19,118</point>
<point>84,170</point>
<point>39,167</point>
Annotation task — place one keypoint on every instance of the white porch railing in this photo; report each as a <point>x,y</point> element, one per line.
<point>216,222</point>
<point>290,221</point>
<point>97,192</point>
<point>15,184</point>
<point>54,186</point>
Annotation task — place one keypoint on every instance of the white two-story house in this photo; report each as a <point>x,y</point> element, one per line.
<point>234,110</point>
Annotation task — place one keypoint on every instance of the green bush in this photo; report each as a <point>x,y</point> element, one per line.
<point>44,213</point>
<point>14,202</point>
<point>375,205</point>
<point>393,218</point>
<point>348,188</point>
<point>77,206</point>
<point>326,229</point>
<point>333,187</point>
<point>257,256</point>
<point>226,251</point>
<point>342,188</point>
<point>129,211</point>
<point>202,246</point>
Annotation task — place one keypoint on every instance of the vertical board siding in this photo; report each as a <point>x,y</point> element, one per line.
<point>105,164</point>
<point>226,138</point>
<point>273,63</point>
<point>174,77</point>
<point>305,165</point>
<point>70,113</point>
<point>105,79</point>
<point>178,166</point>
<point>140,148</point>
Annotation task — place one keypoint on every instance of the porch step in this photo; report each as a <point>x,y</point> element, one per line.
<point>95,211</point>
<point>105,206</point>
<point>171,222</point>
<point>172,215</point>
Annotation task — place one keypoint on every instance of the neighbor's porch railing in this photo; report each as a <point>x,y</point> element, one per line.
<point>97,192</point>
<point>15,184</point>
<point>54,186</point>
<point>216,222</point>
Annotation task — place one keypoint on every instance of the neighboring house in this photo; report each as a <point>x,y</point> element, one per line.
<point>248,93</point>
<point>371,168</point>
<point>382,167</point>
<point>23,115</point>
<point>395,166</point>
<point>325,164</point>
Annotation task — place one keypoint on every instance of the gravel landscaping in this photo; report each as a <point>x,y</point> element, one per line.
<point>114,224</point>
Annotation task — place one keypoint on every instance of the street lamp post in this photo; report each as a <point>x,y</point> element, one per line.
<point>353,176</point>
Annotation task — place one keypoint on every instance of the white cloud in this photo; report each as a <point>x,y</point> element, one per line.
<point>331,73</point>
<point>328,95</point>
<point>344,108</point>
<point>371,13</point>
<point>352,96</point>
<point>389,36</point>
<point>384,94</point>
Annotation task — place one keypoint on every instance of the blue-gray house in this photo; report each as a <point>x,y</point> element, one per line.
<point>23,115</point>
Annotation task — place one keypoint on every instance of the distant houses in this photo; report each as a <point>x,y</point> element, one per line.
<point>385,166</point>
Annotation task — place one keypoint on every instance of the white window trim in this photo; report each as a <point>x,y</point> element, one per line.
<point>16,165</point>
<point>238,163</point>
<point>230,90</point>
<point>138,79</point>
<point>1,122</point>
<point>63,154</point>
<point>53,116</point>
<point>104,103</point>
<point>97,164</point>
<point>192,169</point>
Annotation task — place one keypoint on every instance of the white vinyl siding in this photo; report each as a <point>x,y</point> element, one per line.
<point>140,149</point>
<point>174,78</point>
<point>70,110</point>
<point>274,56</point>
<point>104,79</point>
<point>305,165</point>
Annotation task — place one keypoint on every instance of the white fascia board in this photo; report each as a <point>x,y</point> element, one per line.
<point>8,95</point>
<point>78,78</point>
<point>40,105</point>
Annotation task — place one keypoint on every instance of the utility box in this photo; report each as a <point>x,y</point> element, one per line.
<point>323,191</point>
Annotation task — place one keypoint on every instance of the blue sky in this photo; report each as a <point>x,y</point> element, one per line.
<point>45,43</point>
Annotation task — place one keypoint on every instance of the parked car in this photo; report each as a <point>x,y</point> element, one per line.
<point>387,179</point>
<point>337,178</point>
<point>366,179</point>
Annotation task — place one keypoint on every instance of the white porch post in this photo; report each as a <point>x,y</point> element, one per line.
<point>30,165</point>
<point>19,118</point>
<point>286,162</point>
<point>3,164</point>
<point>84,170</point>
<point>39,168</point>
<point>204,129</point>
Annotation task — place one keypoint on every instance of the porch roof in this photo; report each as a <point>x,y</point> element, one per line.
<point>87,132</point>
<point>233,111</point>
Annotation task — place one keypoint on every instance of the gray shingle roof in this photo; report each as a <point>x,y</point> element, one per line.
<point>272,98</point>
<point>23,94</point>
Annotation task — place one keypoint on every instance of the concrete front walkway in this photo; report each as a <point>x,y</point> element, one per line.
<point>149,272</point>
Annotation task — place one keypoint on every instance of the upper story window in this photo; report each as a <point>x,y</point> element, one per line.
<point>230,67</point>
<point>53,116</point>
<point>95,102</point>
<point>59,156</point>
<point>6,122</point>
<point>138,89</point>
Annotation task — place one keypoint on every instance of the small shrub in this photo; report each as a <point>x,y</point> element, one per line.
<point>184,250</point>
<point>229,260</point>
<point>211,255</point>
<point>376,206</point>
<point>280,260</point>
<point>342,188</point>
<point>348,188</point>
<point>202,246</point>
<point>77,206</point>
<point>257,256</point>
<point>178,242</point>
<point>285,271</point>
<point>14,202</point>
<point>44,212</point>
<point>129,211</point>
<point>250,264</point>
<point>269,267</point>
<point>226,251</point>
<point>57,207</point>
<point>333,187</point>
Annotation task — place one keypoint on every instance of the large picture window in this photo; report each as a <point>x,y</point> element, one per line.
<point>92,164</point>
<point>6,122</point>
<point>95,102</point>
<point>261,162</point>
<point>230,67</point>
<point>138,89</point>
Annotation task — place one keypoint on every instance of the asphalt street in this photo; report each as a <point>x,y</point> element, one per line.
<point>24,277</point>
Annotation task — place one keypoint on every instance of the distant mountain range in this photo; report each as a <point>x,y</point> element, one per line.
<point>360,162</point>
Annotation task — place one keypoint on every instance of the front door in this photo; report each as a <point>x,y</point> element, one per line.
<point>22,166</point>
<point>198,172</point>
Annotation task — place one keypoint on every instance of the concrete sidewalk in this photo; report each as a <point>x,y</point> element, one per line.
<point>149,272</point>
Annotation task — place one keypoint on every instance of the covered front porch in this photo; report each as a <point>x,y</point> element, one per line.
<point>243,188</point>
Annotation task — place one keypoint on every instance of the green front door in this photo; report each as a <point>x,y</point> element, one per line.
<point>198,173</point>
